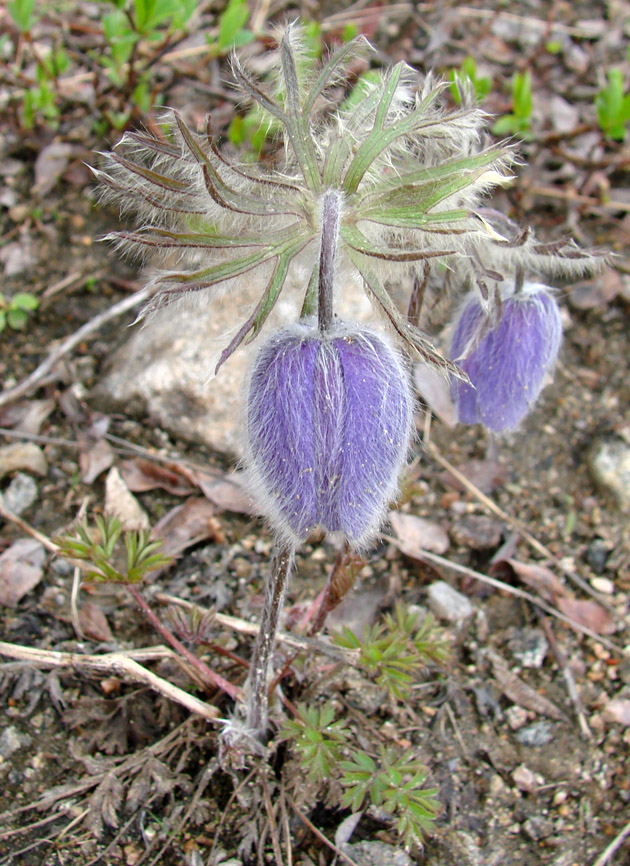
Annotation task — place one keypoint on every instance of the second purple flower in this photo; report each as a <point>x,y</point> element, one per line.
<point>507,367</point>
<point>329,422</point>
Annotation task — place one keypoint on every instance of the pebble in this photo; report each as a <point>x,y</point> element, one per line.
<point>11,740</point>
<point>477,532</point>
<point>376,854</point>
<point>538,734</point>
<point>597,553</point>
<point>516,717</point>
<point>529,647</point>
<point>537,827</point>
<point>603,585</point>
<point>447,603</point>
<point>524,779</point>
<point>21,493</point>
<point>609,463</point>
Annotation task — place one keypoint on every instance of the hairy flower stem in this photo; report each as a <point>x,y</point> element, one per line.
<point>331,205</point>
<point>257,687</point>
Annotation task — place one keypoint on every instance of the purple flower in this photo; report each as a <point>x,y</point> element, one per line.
<point>507,367</point>
<point>328,422</point>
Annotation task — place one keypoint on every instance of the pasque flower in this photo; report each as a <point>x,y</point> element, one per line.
<point>507,366</point>
<point>389,185</point>
<point>329,422</point>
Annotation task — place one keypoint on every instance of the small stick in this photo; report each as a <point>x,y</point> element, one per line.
<point>257,682</point>
<point>119,663</point>
<point>66,346</point>
<point>516,524</point>
<point>614,846</point>
<point>574,695</point>
<point>304,644</point>
<point>27,528</point>
<point>273,824</point>
<point>521,593</point>
<point>74,603</point>
<point>319,833</point>
<point>207,674</point>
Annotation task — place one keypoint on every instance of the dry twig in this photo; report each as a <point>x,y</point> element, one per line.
<point>122,664</point>
<point>516,524</point>
<point>39,373</point>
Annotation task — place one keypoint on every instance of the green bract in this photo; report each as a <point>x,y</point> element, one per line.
<point>410,176</point>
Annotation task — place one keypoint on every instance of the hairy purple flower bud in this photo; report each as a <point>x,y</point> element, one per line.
<point>507,367</point>
<point>328,425</point>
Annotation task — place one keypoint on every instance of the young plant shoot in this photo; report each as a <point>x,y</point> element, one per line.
<point>387,187</point>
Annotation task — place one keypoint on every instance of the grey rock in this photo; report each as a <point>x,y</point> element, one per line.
<point>447,603</point>
<point>21,493</point>
<point>529,647</point>
<point>538,734</point>
<point>597,553</point>
<point>162,373</point>
<point>11,740</point>
<point>376,854</point>
<point>537,827</point>
<point>609,463</point>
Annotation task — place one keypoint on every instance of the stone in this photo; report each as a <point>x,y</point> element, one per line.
<point>538,734</point>
<point>447,603</point>
<point>529,647</point>
<point>376,854</point>
<point>163,373</point>
<point>11,740</point>
<point>537,827</point>
<point>597,554</point>
<point>21,493</point>
<point>609,464</point>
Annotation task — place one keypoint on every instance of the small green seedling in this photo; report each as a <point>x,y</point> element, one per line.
<point>613,107</point>
<point>130,25</point>
<point>397,650</point>
<point>394,784</point>
<point>467,75</point>
<point>520,120</point>
<point>232,31</point>
<point>22,13</point>
<point>98,548</point>
<point>14,312</point>
<point>317,739</point>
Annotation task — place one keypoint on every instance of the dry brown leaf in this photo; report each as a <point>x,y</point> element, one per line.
<point>27,416</point>
<point>50,165</point>
<point>22,455</point>
<point>587,613</point>
<point>186,524</point>
<point>539,578</point>
<point>21,568</point>
<point>140,475</point>
<point>516,690</point>
<point>94,623</point>
<point>415,534</point>
<point>121,503</point>
<point>227,492</point>
<point>486,475</point>
<point>94,459</point>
